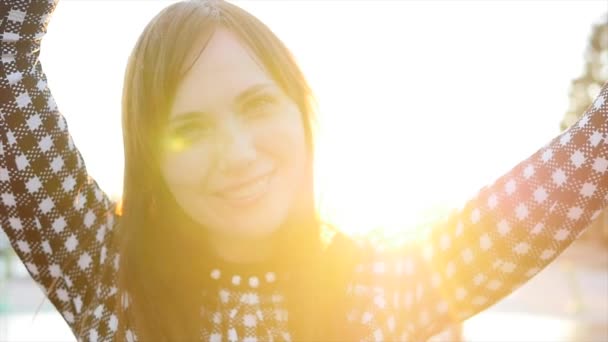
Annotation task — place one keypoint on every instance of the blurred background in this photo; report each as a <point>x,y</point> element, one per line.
<point>421,104</point>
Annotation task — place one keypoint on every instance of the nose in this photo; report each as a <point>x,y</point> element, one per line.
<point>236,149</point>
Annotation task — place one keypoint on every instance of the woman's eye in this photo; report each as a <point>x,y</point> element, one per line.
<point>184,136</point>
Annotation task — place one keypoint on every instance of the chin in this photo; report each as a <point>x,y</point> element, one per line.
<point>248,224</point>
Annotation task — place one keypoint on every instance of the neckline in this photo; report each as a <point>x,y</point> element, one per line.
<point>243,276</point>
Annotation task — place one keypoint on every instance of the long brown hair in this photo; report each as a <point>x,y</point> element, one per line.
<point>161,249</point>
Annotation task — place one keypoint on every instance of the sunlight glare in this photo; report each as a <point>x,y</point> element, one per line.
<point>421,103</point>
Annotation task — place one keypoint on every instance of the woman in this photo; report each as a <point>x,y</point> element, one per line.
<point>218,238</point>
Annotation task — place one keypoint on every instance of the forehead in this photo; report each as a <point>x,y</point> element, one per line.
<point>224,69</point>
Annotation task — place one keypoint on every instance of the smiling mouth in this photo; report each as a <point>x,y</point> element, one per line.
<point>247,192</point>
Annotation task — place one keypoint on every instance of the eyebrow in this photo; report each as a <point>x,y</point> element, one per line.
<point>185,117</point>
<point>252,91</point>
<point>241,98</point>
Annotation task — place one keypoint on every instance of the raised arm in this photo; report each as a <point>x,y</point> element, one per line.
<point>501,238</point>
<point>56,217</point>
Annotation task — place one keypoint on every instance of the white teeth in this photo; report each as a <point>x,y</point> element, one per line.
<point>249,191</point>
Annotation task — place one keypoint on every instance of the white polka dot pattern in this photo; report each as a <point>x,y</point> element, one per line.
<point>498,240</point>
<point>246,312</point>
<point>60,224</point>
<point>56,217</point>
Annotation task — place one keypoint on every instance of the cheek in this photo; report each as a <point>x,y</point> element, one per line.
<point>283,140</point>
<point>177,169</point>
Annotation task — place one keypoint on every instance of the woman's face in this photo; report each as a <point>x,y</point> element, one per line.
<point>235,153</point>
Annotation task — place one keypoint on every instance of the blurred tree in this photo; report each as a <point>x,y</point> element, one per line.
<point>583,91</point>
<point>585,88</point>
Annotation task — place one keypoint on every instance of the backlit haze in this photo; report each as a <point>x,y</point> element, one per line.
<point>421,103</point>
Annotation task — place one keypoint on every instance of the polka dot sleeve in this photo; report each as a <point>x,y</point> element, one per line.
<point>55,216</point>
<point>499,239</point>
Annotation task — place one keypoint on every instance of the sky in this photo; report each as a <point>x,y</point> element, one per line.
<point>421,102</point>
